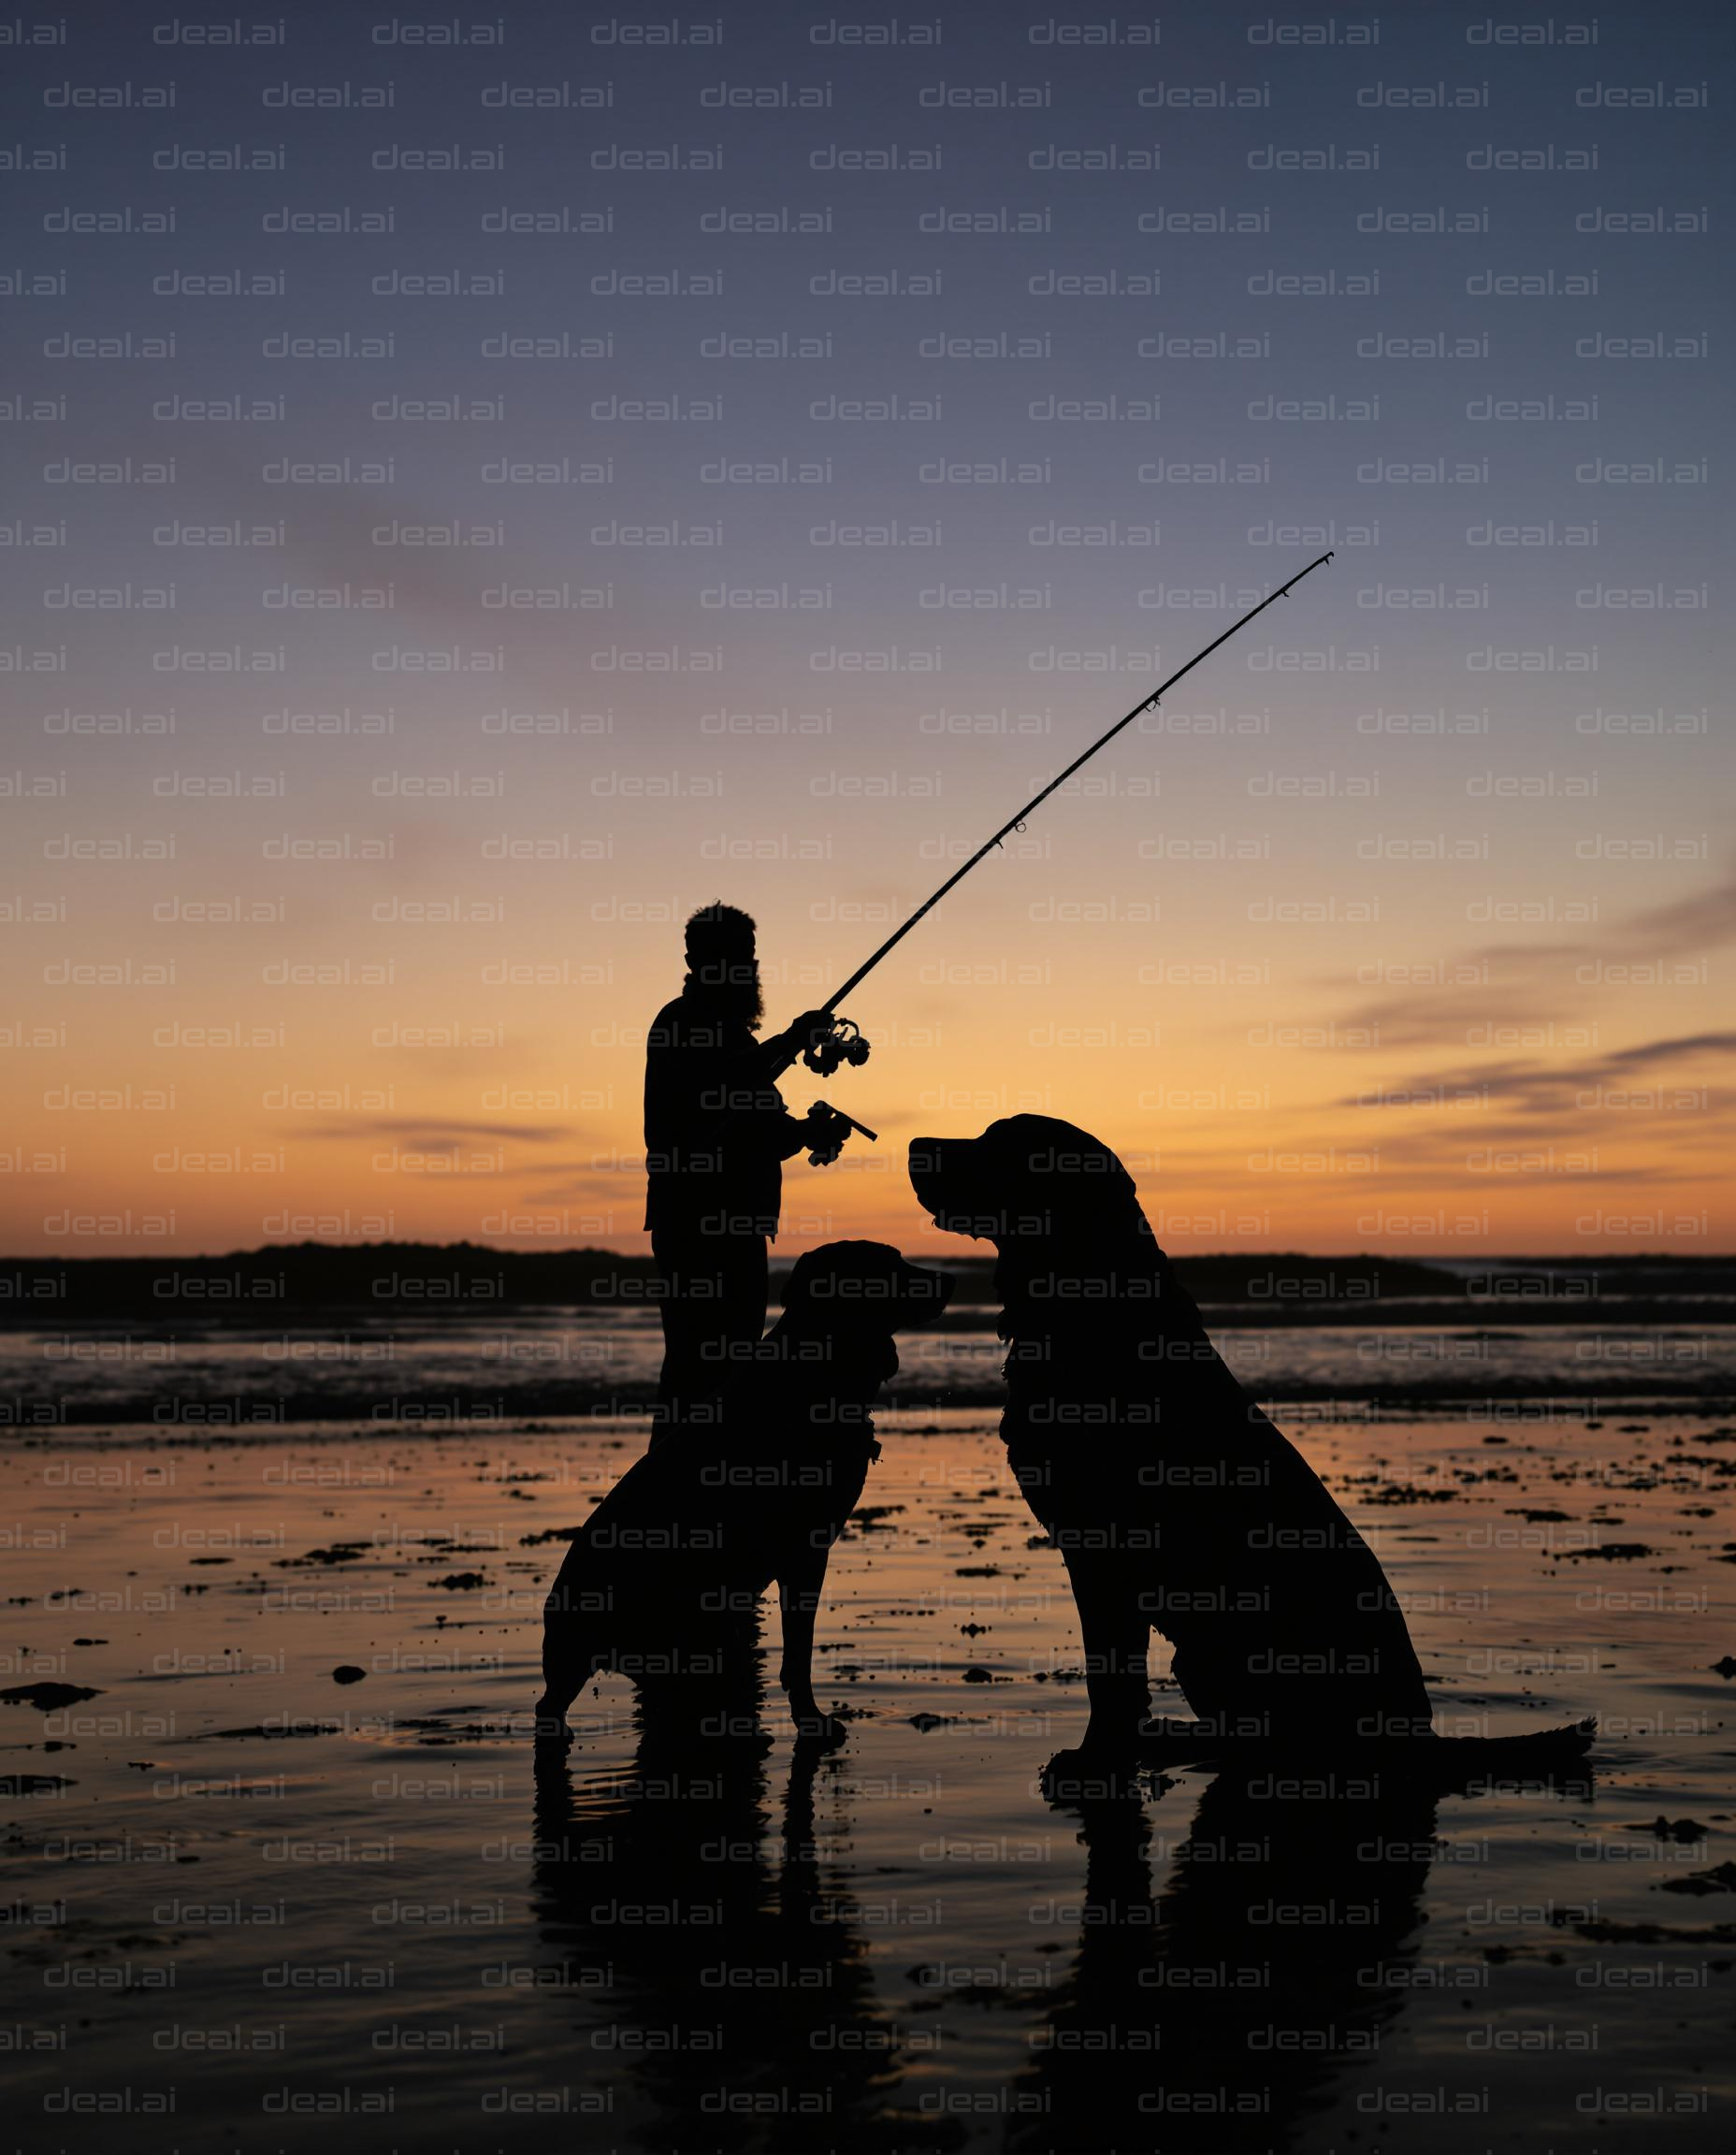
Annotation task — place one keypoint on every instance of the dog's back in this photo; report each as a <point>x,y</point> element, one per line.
<point>1165,1488</point>
<point>666,1575</point>
<point>694,1532</point>
<point>1142,1454</point>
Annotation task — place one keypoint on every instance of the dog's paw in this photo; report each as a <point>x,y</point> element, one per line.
<point>554,1739</point>
<point>817,1730</point>
<point>1094,1774</point>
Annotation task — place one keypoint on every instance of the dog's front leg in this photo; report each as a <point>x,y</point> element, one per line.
<point>799,1583</point>
<point>572,1653</point>
<point>565,1674</point>
<point>1116,1633</point>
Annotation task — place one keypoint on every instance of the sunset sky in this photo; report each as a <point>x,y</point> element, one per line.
<point>364,761</point>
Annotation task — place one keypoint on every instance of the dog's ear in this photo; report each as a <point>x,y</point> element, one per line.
<point>799,1285</point>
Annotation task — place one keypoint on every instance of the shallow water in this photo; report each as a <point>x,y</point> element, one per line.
<point>393,1370</point>
<point>247,1902</point>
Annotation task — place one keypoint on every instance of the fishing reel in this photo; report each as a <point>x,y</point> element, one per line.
<point>831,1050</point>
<point>829,1127</point>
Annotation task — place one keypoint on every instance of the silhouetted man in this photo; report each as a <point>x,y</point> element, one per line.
<point>717,1135</point>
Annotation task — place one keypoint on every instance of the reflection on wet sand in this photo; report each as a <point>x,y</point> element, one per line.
<point>1222,2012</point>
<point>733,1994</point>
<point>731,2001</point>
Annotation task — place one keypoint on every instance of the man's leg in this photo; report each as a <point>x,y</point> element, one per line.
<point>713,1301</point>
<point>689,1286</point>
<point>747,1290</point>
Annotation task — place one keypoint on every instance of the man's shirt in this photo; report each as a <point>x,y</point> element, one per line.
<point>717,1132</point>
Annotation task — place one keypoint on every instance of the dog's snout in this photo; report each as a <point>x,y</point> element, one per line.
<point>922,1295</point>
<point>926,1289</point>
<point>939,1169</point>
<point>944,1173</point>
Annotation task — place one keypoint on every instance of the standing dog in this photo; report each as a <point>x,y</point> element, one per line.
<point>1175,1503</point>
<point>663,1582</point>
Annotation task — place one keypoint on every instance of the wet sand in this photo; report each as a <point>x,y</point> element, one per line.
<point>249,1903</point>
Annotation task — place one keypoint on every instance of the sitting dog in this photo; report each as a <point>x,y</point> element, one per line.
<point>1174,1503</point>
<point>663,1582</point>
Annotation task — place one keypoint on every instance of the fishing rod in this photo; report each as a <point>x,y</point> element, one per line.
<point>845,1042</point>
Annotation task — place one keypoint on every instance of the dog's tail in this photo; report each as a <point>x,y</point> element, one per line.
<point>1447,1763</point>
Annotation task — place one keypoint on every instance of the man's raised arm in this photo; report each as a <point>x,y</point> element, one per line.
<point>771,1058</point>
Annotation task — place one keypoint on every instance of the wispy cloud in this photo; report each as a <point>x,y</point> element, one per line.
<point>1491,989</point>
<point>1698,923</point>
<point>1547,1087</point>
<point>432,1136</point>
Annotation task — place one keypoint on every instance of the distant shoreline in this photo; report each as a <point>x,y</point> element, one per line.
<point>424,1337</point>
<point>307,1282</point>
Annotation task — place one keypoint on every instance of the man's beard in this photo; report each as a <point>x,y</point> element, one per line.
<point>727,989</point>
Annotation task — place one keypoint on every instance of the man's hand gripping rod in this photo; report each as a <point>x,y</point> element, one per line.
<point>829,1125</point>
<point>844,1042</point>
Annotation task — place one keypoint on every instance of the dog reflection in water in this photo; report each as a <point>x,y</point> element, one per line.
<point>1260,1982</point>
<point>725,1993</point>
<point>662,1583</point>
<point>1219,2012</point>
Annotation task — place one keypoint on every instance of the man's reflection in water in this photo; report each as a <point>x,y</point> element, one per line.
<point>1220,2013</point>
<point>731,2001</point>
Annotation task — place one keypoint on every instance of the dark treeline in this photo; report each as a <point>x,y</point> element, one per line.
<point>402,1278</point>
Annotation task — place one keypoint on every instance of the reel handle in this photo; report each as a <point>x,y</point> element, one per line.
<point>831,1125</point>
<point>843,1043</point>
